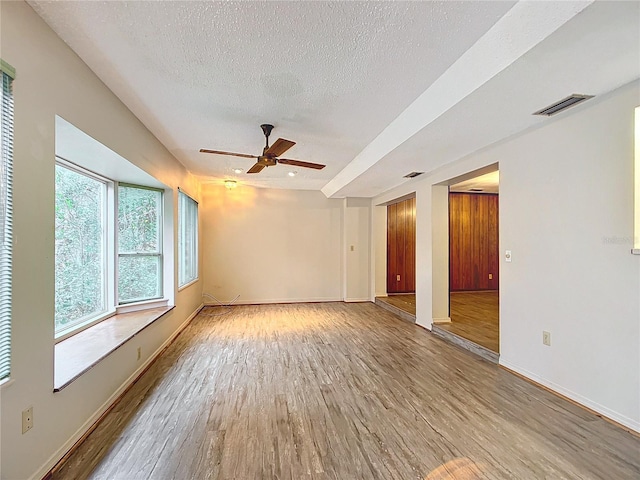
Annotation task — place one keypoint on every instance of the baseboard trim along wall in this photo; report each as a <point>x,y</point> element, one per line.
<point>357,300</point>
<point>441,321</point>
<point>242,301</point>
<point>76,439</point>
<point>622,421</point>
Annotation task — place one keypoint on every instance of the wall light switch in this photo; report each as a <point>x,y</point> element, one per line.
<point>491,276</point>
<point>397,278</point>
<point>353,248</point>
<point>507,256</point>
<point>546,338</point>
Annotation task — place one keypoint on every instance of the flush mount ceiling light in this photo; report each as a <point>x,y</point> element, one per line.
<point>292,173</point>
<point>237,170</point>
<point>230,184</point>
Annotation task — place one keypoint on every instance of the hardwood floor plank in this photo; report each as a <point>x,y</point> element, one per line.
<point>338,391</point>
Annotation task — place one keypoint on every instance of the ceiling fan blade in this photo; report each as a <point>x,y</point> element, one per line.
<point>279,147</point>
<point>299,163</point>
<point>257,168</point>
<point>218,152</point>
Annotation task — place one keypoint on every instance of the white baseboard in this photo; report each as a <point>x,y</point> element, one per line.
<point>576,397</point>
<point>244,301</point>
<point>62,451</point>
<point>354,300</point>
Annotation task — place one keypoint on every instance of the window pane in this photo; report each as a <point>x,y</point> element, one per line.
<point>79,256</point>
<point>139,234</point>
<point>139,212</point>
<point>187,239</point>
<point>139,277</point>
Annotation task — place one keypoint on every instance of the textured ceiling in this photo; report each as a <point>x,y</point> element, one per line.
<point>335,76</point>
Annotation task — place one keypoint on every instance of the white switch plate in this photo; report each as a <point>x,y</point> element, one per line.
<point>397,278</point>
<point>546,338</point>
<point>27,420</point>
<point>507,256</point>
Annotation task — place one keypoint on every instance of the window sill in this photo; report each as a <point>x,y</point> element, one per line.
<point>79,353</point>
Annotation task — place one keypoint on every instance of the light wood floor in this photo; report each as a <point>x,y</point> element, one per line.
<point>340,391</point>
<point>475,316</point>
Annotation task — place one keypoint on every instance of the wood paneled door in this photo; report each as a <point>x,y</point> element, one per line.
<point>401,247</point>
<point>473,241</point>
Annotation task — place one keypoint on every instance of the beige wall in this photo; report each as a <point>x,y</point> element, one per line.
<point>566,190</point>
<point>269,245</point>
<point>357,229</point>
<point>52,80</point>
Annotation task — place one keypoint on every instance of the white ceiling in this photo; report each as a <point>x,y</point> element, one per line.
<point>372,89</point>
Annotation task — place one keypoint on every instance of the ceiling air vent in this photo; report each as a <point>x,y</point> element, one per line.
<point>413,174</point>
<point>563,104</point>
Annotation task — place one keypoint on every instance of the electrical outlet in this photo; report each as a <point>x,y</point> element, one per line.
<point>139,352</point>
<point>27,420</point>
<point>546,338</point>
<point>397,278</point>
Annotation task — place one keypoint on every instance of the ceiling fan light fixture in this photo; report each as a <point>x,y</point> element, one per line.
<point>230,184</point>
<point>292,173</point>
<point>237,170</point>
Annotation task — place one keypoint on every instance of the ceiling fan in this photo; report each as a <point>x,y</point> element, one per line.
<point>270,154</point>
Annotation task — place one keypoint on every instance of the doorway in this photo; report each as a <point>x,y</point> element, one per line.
<point>474,261</point>
<point>401,259</point>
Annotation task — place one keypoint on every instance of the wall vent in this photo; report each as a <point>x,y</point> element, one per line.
<point>413,174</point>
<point>563,104</point>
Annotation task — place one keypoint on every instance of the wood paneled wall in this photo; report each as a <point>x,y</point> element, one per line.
<point>473,241</point>
<point>401,247</point>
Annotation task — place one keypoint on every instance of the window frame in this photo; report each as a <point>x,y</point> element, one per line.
<point>111,254</point>
<point>8,74</point>
<point>107,258</point>
<point>184,283</point>
<point>635,250</point>
<point>159,254</point>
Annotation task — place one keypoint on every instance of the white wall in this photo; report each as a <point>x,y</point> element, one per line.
<point>269,245</point>
<point>566,190</point>
<point>357,229</point>
<point>52,80</point>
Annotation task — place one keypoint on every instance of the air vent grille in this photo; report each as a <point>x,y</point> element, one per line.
<point>413,174</point>
<point>563,104</point>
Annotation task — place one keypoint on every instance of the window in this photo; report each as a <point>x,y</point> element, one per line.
<point>139,243</point>
<point>636,232</point>
<point>80,244</point>
<point>6,214</point>
<point>187,239</point>
<point>98,270</point>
